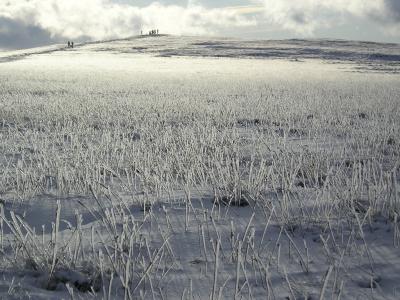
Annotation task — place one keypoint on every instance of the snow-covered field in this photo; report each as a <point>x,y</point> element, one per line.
<point>197,168</point>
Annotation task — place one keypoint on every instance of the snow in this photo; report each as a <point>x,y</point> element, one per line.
<point>133,140</point>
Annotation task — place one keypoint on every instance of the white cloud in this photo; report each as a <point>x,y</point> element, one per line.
<point>57,20</point>
<point>306,16</point>
<point>103,19</point>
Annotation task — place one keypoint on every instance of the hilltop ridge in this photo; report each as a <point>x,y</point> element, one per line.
<point>376,56</point>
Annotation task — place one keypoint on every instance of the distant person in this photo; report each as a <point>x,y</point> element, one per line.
<point>69,44</point>
<point>72,44</point>
<point>157,31</point>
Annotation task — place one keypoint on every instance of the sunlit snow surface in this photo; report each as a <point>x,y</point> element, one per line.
<point>334,101</point>
<point>370,55</point>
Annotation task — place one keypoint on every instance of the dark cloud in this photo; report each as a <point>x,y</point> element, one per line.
<point>394,9</point>
<point>307,17</point>
<point>299,17</point>
<point>389,16</point>
<point>17,35</point>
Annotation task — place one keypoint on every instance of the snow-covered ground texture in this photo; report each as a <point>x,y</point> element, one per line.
<point>194,168</point>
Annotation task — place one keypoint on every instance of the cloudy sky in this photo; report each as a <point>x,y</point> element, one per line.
<point>29,23</point>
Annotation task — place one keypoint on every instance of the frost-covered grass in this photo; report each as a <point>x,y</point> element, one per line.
<point>197,178</point>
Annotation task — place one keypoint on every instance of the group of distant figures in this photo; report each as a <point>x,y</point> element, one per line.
<point>151,32</point>
<point>70,44</point>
